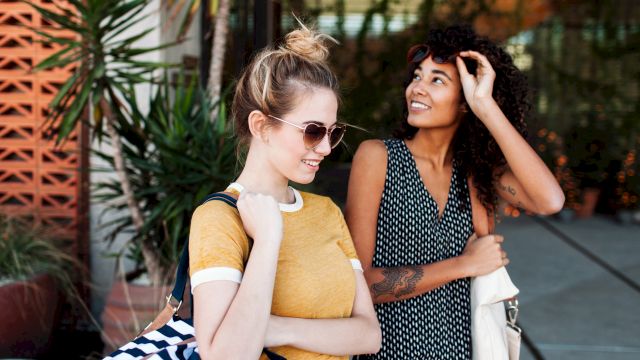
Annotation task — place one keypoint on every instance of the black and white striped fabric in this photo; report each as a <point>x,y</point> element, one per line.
<point>437,324</point>
<point>162,343</point>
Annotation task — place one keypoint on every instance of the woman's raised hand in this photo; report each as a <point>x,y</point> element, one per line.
<point>477,88</point>
<point>483,255</point>
<point>260,216</point>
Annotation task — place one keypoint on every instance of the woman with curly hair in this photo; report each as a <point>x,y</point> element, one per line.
<point>409,201</point>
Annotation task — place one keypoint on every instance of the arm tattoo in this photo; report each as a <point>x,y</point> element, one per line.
<point>507,188</point>
<point>398,281</point>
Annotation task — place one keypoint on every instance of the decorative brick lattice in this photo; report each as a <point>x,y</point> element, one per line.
<point>36,178</point>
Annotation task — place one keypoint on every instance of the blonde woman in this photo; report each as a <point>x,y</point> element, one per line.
<point>281,271</point>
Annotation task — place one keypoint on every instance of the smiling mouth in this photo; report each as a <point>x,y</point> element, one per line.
<point>311,162</point>
<point>419,106</point>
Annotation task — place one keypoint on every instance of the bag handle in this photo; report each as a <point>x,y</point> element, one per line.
<point>182,272</point>
<point>483,224</point>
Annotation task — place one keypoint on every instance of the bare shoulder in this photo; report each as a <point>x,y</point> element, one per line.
<point>369,166</point>
<point>371,153</point>
<point>373,147</point>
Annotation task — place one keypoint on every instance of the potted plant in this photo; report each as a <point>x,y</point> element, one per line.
<point>34,268</point>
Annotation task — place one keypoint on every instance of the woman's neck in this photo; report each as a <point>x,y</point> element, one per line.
<point>433,145</point>
<point>259,176</point>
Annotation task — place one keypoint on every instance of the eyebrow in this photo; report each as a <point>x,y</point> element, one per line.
<point>313,122</point>
<point>436,71</point>
<point>319,123</point>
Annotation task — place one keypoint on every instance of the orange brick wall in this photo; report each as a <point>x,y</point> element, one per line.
<point>37,178</point>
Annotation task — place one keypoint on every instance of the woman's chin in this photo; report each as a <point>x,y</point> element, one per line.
<point>303,179</point>
<point>417,122</point>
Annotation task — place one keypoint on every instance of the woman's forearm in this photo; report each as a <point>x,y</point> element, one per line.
<point>327,336</point>
<point>241,333</point>
<point>404,282</point>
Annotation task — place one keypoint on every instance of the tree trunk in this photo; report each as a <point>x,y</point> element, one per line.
<point>149,252</point>
<point>217,55</point>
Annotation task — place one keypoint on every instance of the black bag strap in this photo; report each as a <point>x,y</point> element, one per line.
<point>182,272</point>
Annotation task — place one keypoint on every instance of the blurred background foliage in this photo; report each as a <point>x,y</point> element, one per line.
<point>580,57</point>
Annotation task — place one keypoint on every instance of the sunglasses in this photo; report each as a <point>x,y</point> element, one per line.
<point>313,134</point>
<point>419,52</point>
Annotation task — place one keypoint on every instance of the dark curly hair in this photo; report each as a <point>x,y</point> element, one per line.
<point>476,152</point>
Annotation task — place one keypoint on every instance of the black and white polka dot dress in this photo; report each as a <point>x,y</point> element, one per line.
<point>437,324</point>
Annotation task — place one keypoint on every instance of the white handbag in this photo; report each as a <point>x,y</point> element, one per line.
<point>493,336</point>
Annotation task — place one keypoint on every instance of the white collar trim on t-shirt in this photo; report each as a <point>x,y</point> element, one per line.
<point>297,204</point>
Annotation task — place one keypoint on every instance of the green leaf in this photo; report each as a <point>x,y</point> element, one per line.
<point>138,51</point>
<point>54,60</point>
<point>71,117</point>
<point>121,45</point>
<point>147,65</point>
<point>115,13</point>
<point>54,38</point>
<point>80,7</point>
<point>129,77</point>
<point>99,70</point>
<point>65,22</point>
<point>125,25</point>
<point>97,94</point>
<point>64,89</point>
<point>221,119</point>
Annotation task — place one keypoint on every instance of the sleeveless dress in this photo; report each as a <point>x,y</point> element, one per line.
<point>437,324</point>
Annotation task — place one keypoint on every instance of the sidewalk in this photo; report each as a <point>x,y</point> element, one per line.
<point>579,287</point>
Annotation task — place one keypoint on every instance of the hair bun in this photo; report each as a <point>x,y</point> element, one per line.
<point>308,43</point>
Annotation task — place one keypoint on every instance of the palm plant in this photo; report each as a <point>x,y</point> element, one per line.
<point>175,156</point>
<point>108,63</point>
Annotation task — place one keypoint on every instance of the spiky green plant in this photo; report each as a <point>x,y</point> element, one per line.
<point>27,250</point>
<point>175,156</point>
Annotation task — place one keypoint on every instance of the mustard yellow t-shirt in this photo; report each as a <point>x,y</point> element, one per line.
<point>315,275</point>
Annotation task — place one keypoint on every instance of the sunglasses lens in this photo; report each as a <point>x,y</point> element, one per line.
<point>417,53</point>
<point>444,59</point>
<point>313,134</point>
<point>336,135</point>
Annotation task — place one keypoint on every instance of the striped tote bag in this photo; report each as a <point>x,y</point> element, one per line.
<point>168,336</point>
<point>174,340</point>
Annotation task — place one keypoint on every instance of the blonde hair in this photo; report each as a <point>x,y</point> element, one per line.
<point>275,78</point>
